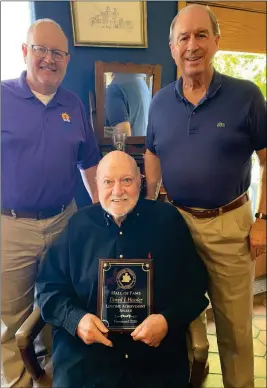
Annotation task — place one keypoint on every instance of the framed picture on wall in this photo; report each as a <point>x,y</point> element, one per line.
<point>109,24</point>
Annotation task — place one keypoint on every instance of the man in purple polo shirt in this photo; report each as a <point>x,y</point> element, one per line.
<point>45,137</point>
<point>202,131</point>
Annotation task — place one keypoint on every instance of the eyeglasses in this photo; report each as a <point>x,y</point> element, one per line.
<point>41,52</point>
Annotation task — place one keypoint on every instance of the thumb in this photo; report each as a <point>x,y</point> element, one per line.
<point>137,330</point>
<point>100,325</point>
<point>140,334</point>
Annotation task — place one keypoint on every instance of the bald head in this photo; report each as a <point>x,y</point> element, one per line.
<point>117,160</point>
<point>194,10</point>
<point>118,182</point>
<point>50,30</point>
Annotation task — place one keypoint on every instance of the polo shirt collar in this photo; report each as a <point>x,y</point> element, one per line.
<point>215,84</point>
<point>213,88</point>
<point>24,91</point>
<point>132,216</point>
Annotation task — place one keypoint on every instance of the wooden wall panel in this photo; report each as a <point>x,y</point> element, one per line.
<point>254,6</point>
<point>241,30</point>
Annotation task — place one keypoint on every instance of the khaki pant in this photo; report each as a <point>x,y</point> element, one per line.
<point>223,245</point>
<point>24,243</point>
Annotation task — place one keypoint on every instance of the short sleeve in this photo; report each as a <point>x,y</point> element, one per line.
<point>116,106</point>
<point>257,120</point>
<point>150,133</point>
<point>88,153</point>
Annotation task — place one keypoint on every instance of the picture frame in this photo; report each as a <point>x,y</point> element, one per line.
<point>109,24</point>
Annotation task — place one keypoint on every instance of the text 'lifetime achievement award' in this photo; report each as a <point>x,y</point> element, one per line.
<point>124,292</point>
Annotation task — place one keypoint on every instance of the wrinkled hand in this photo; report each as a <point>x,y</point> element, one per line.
<point>152,330</point>
<point>258,238</point>
<point>91,329</point>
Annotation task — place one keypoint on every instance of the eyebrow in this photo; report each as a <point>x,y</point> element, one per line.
<point>196,32</point>
<point>124,176</point>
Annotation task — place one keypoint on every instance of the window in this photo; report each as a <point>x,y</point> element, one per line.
<point>243,65</point>
<point>252,67</point>
<point>15,21</point>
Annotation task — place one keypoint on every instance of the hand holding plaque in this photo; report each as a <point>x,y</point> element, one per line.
<point>152,330</point>
<point>90,329</point>
<point>124,292</point>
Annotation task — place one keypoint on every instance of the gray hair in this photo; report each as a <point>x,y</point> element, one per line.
<point>214,22</point>
<point>40,21</point>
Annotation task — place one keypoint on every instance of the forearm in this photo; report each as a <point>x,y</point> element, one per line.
<point>261,200</point>
<point>262,192</point>
<point>192,300</point>
<point>60,311</point>
<point>88,177</point>
<point>153,174</point>
<point>56,296</point>
<point>124,127</point>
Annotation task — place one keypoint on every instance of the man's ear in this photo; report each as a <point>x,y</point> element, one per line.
<point>172,49</point>
<point>217,40</point>
<point>24,48</point>
<point>67,59</point>
<point>139,179</point>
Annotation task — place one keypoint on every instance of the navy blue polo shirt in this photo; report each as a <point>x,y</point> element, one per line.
<point>205,150</point>
<point>42,146</point>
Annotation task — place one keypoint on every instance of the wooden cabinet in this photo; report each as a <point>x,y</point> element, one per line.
<point>260,266</point>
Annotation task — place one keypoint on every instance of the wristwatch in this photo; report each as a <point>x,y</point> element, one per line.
<point>261,215</point>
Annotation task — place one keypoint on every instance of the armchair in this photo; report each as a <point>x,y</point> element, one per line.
<point>29,330</point>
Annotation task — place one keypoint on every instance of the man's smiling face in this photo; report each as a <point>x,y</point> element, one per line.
<point>118,182</point>
<point>44,75</point>
<point>193,42</point>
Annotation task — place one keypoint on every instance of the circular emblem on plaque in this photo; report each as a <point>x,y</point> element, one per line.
<point>119,145</point>
<point>126,278</point>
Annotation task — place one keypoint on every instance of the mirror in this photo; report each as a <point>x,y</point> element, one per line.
<point>127,98</point>
<point>123,96</point>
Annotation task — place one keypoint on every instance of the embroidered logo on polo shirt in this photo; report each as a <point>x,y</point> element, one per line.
<point>65,117</point>
<point>220,125</point>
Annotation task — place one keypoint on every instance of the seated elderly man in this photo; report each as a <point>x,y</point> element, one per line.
<point>122,226</point>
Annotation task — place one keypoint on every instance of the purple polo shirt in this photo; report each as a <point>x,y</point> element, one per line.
<point>42,146</point>
<point>205,150</point>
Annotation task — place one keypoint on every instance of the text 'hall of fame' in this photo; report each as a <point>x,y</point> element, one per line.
<point>124,292</point>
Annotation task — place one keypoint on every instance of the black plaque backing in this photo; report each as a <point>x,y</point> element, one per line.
<point>125,293</point>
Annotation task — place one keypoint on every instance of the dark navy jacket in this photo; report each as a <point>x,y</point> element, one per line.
<point>67,289</point>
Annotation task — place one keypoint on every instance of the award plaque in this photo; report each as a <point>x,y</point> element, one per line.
<point>124,292</point>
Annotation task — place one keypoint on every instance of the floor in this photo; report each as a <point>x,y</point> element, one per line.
<point>214,379</point>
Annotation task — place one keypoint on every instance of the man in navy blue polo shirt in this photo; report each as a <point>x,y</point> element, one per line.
<point>45,137</point>
<point>202,131</point>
